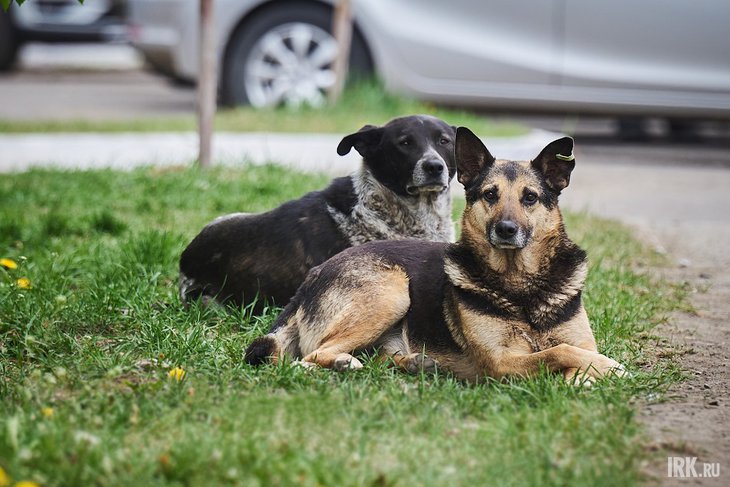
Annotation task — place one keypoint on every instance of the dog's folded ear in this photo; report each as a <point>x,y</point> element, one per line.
<point>364,141</point>
<point>556,162</point>
<point>471,156</point>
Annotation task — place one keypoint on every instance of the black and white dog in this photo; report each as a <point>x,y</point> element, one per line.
<point>400,191</point>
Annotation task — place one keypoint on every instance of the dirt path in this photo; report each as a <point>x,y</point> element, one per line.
<point>695,420</point>
<point>684,211</point>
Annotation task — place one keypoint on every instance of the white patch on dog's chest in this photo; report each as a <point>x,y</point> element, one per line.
<point>380,214</point>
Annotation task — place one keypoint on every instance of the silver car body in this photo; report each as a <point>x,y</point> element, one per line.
<point>69,20</point>
<point>655,57</point>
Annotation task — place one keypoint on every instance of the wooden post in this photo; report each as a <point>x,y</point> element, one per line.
<point>342,30</point>
<point>207,82</point>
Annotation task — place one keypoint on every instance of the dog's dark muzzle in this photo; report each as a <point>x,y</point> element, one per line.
<point>506,229</point>
<point>430,176</point>
<point>506,234</point>
<point>433,169</point>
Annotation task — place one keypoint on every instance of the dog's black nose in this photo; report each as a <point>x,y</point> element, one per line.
<point>433,168</point>
<point>506,229</point>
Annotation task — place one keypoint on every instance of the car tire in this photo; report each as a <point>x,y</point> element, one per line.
<point>680,130</point>
<point>9,42</point>
<point>239,86</point>
<point>632,129</point>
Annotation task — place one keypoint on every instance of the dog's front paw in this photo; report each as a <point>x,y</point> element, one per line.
<point>303,364</point>
<point>578,377</point>
<point>415,363</point>
<point>345,361</point>
<point>604,366</point>
<point>618,370</point>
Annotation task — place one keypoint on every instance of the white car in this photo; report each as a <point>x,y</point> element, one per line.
<point>654,57</point>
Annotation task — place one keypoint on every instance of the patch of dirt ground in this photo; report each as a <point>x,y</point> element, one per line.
<point>694,419</point>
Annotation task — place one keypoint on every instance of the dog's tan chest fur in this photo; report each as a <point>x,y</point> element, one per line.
<point>491,340</point>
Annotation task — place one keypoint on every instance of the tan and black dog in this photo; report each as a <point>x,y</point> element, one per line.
<point>504,300</point>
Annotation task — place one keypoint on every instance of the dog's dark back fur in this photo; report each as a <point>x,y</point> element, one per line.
<point>401,191</point>
<point>284,244</point>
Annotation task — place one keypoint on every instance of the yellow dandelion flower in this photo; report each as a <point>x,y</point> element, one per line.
<point>47,412</point>
<point>27,483</point>
<point>176,373</point>
<point>23,283</point>
<point>4,478</point>
<point>8,263</point>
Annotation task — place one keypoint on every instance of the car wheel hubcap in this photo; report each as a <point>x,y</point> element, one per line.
<point>291,64</point>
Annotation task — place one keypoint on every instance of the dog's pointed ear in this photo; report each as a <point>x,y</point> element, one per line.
<point>556,162</point>
<point>364,140</point>
<point>471,156</point>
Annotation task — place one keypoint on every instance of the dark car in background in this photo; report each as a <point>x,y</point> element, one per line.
<point>60,21</point>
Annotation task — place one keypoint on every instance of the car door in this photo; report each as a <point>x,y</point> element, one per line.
<point>663,53</point>
<point>463,50</point>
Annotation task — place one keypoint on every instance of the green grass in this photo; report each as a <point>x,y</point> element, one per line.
<point>95,337</point>
<point>365,103</point>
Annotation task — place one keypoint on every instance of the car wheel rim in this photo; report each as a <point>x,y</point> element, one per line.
<point>292,65</point>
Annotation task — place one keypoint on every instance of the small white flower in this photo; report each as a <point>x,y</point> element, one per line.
<point>86,437</point>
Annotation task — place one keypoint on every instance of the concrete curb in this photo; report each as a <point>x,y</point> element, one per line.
<point>124,151</point>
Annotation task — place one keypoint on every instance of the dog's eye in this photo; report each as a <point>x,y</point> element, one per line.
<point>490,195</point>
<point>405,142</point>
<point>444,141</point>
<point>529,199</point>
